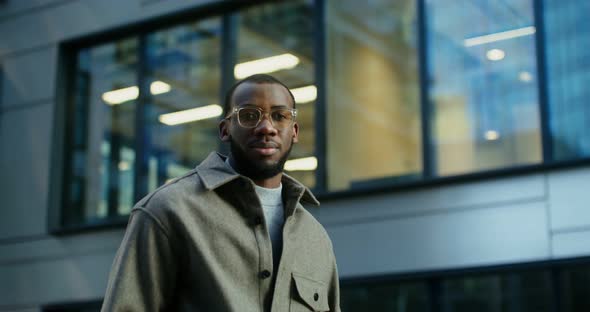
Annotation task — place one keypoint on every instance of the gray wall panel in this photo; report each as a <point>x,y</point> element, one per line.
<point>569,198</point>
<point>11,9</point>
<point>79,18</point>
<point>29,77</point>
<point>443,198</point>
<point>441,241</point>
<point>571,244</point>
<point>24,163</point>
<point>51,247</point>
<point>65,280</point>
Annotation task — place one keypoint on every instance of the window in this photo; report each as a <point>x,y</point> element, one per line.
<point>372,86</point>
<point>101,161</point>
<point>482,85</point>
<point>568,74</point>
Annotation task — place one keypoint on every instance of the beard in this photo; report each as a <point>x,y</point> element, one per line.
<point>253,169</point>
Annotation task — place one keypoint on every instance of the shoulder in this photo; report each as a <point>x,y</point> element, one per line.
<point>162,203</point>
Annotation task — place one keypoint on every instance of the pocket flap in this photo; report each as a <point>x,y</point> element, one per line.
<point>312,292</point>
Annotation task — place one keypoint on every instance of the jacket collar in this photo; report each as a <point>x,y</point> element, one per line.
<point>215,172</point>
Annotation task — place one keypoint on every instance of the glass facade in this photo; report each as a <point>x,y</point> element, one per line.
<point>102,157</point>
<point>372,85</point>
<point>482,86</point>
<point>410,91</point>
<point>567,38</point>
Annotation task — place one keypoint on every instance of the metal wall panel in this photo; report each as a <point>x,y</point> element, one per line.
<point>24,163</point>
<point>29,77</point>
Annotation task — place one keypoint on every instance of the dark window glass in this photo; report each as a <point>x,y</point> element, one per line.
<point>482,85</point>
<point>575,287</point>
<point>184,108</point>
<point>101,158</point>
<point>393,297</point>
<point>522,291</point>
<point>567,38</point>
<point>278,39</point>
<point>372,88</point>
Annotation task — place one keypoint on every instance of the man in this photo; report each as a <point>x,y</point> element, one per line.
<point>230,235</point>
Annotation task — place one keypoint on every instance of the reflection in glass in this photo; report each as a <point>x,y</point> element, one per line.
<point>391,297</point>
<point>184,107</point>
<point>277,39</point>
<point>522,291</point>
<point>373,112</point>
<point>568,72</point>
<point>482,85</point>
<point>100,170</point>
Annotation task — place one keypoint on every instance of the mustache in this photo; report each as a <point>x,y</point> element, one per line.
<point>263,144</point>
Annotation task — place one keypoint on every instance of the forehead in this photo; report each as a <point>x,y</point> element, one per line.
<point>261,94</point>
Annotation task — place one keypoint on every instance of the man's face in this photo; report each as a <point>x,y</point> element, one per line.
<point>259,152</point>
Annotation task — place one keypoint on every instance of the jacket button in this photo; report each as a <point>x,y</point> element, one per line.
<point>264,274</point>
<point>316,297</point>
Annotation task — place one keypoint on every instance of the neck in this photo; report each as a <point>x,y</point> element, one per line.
<point>273,182</point>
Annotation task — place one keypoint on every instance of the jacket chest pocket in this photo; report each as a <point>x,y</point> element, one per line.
<point>308,295</point>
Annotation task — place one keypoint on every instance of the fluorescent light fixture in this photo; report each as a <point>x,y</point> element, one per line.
<point>120,95</point>
<point>131,93</point>
<point>495,54</point>
<point>189,115</point>
<point>525,76</point>
<point>159,87</point>
<point>302,164</point>
<point>515,33</point>
<point>492,135</point>
<point>123,166</point>
<point>305,94</point>
<point>266,65</point>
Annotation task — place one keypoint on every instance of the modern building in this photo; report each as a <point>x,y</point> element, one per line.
<point>447,140</point>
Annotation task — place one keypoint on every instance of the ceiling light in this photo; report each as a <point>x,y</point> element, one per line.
<point>525,31</point>
<point>302,164</point>
<point>305,94</point>
<point>492,135</point>
<point>189,115</point>
<point>495,54</point>
<point>525,76</point>
<point>120,95</point>
<point>131,93</point>
<point>159,87</point>
<point>266,65</point>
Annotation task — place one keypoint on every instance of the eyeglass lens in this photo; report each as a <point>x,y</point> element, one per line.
<point>250,117</point>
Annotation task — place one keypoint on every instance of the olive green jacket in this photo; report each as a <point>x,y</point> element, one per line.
<point>200,243</point>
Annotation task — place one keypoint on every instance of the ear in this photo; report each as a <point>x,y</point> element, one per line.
<point>224,130</point>
<point>295,132</point>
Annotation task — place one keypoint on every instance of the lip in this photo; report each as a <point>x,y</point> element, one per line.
<point>265,148</point>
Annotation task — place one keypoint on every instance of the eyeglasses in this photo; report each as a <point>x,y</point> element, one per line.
<point>250,117</point>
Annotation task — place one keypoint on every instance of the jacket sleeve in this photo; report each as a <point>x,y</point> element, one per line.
<point>143,273</point>
<point>334,291</point>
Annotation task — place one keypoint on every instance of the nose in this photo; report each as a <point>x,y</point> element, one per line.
<point>265,127</point>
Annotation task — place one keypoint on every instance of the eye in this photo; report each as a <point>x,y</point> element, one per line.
<point>280,115</point>
<point>249,115</point>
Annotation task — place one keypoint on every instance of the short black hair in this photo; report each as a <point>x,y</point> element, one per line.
<point>256,78</point>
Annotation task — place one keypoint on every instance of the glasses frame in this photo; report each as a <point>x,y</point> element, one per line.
<point>236,110</point>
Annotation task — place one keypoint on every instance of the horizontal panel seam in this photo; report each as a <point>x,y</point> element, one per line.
<point>434,211</point>
<point>27,105</point>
